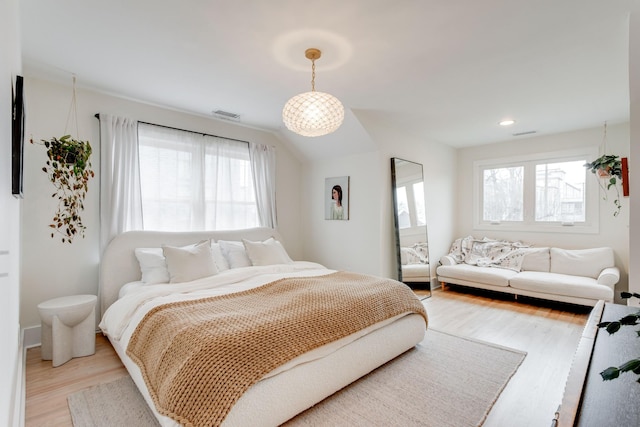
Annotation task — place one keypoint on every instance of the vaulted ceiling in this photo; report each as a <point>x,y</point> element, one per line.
<point>445,71</point>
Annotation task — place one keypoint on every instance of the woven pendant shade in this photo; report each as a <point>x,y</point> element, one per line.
<point>313,113</point>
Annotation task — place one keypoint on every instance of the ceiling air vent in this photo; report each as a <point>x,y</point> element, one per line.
<point>226,115</point>
<point>529,132</point>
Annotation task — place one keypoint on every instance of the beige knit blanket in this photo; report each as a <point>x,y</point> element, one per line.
<point>198,357</point>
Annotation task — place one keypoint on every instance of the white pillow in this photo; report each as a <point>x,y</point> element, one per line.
<point>536,259</point>
<point>266,253</point>
<point>218,257</point>
<point>581,262</point>
<point>235,253</point>
<point>189,263</point>
<point>152,265</point>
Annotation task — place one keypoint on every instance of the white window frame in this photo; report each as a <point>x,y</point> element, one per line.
<point>591,225</point>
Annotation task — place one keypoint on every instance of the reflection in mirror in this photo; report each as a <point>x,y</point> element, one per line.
<point>412,248</point>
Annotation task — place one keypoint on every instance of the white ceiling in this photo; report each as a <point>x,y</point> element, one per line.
<point>445,71</point>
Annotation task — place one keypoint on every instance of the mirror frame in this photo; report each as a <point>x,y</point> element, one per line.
<point>394,197</point>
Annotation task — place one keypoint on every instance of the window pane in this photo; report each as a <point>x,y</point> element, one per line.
<point>560,191</point>
<point>503,194</point>
<point>418,199</point>
<point>191,181</point>
<point>404,218</point>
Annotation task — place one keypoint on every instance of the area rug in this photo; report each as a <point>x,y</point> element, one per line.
<point>444,381</point>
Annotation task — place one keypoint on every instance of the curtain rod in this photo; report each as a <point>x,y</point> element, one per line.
<point>97,116</point>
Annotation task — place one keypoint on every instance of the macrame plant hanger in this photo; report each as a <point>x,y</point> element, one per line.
<point>73,111</point>
<point>603,151</point>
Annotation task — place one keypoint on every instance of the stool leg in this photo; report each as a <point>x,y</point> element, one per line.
<point>62,342</point>
<point>45,338</point>
<point>84,336</point>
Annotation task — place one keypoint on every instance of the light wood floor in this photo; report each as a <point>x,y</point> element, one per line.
<point>548,332</point>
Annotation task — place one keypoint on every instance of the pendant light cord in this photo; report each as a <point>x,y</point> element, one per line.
<point>313,75</point>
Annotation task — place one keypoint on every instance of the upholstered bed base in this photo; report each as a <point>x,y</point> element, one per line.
<point>276,399</point>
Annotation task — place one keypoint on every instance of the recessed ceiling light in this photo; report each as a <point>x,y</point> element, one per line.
<point>507,122</point>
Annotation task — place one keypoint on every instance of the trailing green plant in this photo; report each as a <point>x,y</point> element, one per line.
<point>608,167</point>
<point>69,170</point>
<point>632,365</point>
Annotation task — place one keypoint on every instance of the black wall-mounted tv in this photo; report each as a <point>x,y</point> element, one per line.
<point>17,135</point>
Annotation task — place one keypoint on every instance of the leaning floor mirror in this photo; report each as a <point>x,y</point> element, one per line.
<point>412,248</point>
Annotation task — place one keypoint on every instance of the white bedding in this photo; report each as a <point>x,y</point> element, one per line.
<point>140,298</point>
<point>284,392</point>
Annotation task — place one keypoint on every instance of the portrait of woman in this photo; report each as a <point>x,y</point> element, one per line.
<point>337,204</point>
<point>337,210</point>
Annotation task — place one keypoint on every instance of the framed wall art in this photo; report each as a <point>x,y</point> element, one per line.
<point>336,193</point>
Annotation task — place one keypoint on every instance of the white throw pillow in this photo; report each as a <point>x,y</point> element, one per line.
<point>235,253</point>
<point>581,262</point>
<point>189,263</point>
<point>152,265</point>
<point>268,252</point>
<point>536,259</point>
<point>218,257</point>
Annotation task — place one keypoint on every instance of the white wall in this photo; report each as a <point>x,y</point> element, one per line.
<point>11,359</point>
<point>366,243</point>
<point>634,165</point>
<point>614,231</point>
<point>352,244</point>
<point>51,268</point>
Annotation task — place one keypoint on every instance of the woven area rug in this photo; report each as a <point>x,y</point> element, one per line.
<point>444,381</point>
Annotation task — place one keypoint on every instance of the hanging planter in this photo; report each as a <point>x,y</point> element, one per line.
<point>69,170</point>
<point>608,167</point>
<point>68,167</point>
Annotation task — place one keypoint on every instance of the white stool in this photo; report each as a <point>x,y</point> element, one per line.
<point>68,328</point>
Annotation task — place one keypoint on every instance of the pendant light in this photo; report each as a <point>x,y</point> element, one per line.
<point>313,113</point>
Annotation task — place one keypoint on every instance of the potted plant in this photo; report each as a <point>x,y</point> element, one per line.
<point>69,170</point>
<point>608,167</point>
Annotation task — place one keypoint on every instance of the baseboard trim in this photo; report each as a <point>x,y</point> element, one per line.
<point>31,337</point>
<point>16,417</point>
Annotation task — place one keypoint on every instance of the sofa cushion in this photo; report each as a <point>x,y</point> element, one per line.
<point>561,284</point>
<point>487,275</point>
<point>536,259</point>
<point>416,271</point>
<point>581,262</point>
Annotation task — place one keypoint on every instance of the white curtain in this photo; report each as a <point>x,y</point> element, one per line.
<point>263,166</point>
<point>120,198</point>
<point>192,181</point>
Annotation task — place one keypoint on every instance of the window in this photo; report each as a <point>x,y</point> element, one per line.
<point>560,192</point>
<point>503,194</point>
<point>410,200</point>
<point>192,181</point>
<point>548,192</point>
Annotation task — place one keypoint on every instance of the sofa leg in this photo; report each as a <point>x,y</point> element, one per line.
<point>515,297</point>
<point>443,286</point>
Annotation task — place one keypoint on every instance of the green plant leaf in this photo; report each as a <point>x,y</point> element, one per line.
<point>613,327</point>
<point>631,319</point>
<point>610,373</point>
<point>630,365</point>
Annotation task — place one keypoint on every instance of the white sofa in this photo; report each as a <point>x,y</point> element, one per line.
<point>581,276</point>
<point>415,263</point>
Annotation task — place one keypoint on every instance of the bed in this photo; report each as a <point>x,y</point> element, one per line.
<point>132,298</point>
